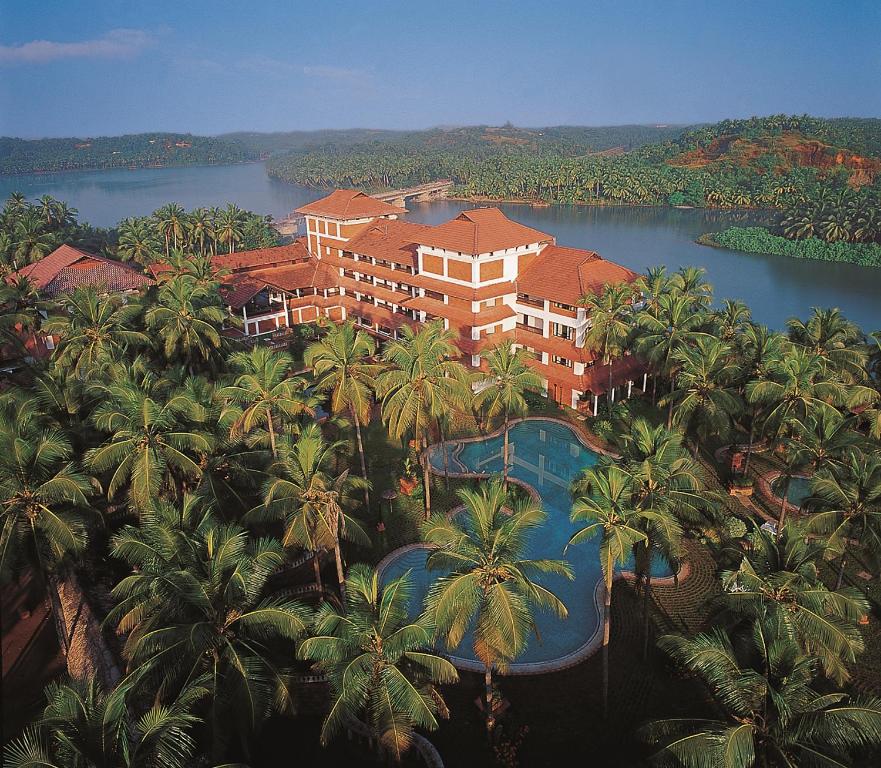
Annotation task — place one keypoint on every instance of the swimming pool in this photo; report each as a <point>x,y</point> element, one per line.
<point>799,490</point>
<point>547,455</point>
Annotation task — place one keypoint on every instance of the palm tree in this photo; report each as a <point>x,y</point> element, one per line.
<point>151,443</point>
<point>849,504</point>
<point>341,365</point>
<point>778,578</point>
<point>38,486</point>
<point>85,727</point>
<point>759,355</point>
<point>137,241</point>
<point>733,320</point>
<point>93,330</point>
<point>32,240</point>
<point>662,333</point>
<point>229,226</point>
<point>195,606</point>
<point>835,339</point>
<point>170,221</point>
<point>199,228</point>
<point>770,713</point>
<point>423,381</point>
<point>706,402</point>
<point>379,661</point>
<point>487,582</point>
<point>266,391</point>
<point>605,504</point>
<point>502,392</point>
<point>689,282</point>
<point>609,314</point>
<point>186,321</point>
<point>309,500</point>
<point>669,482</point>
<point>22,310</point>
<point>796,388</point>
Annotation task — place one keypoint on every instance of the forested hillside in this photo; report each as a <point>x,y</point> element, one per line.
<point>760,162</point>
<point>142,150</point>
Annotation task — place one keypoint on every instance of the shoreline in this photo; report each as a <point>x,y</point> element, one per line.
<point>5,174</point>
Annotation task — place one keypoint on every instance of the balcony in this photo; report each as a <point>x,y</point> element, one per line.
<point>523,298</point>
<point>531,329</point>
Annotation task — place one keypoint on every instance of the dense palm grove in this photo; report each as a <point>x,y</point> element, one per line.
<point>193,473</point>
<point>560,165</point>
<point>31,230</point>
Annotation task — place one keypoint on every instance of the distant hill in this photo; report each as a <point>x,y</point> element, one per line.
<point>142,150</point>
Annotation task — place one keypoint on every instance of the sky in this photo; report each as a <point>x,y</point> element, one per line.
<point>106,67</point>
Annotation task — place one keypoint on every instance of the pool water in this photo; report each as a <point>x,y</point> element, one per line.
<point>799,490</point>
<point>548,456</point>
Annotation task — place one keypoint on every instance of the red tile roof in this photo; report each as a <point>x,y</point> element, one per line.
<point>481,230</point>
<point>566,274</point>
<point>239,288</point>
<point>349,204</point>
<point>67,268</point>
<point>262,257</point>
<point>389,239</point>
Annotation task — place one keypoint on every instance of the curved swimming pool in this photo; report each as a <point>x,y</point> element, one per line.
<point>799,489</point>
<point>547,455</point>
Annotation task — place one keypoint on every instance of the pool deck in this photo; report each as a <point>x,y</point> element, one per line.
<point>594,642</point>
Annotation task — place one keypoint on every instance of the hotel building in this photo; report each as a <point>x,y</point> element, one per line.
<point>488,278</point>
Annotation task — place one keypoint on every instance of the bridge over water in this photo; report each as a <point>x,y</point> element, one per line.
<point>432,190</point>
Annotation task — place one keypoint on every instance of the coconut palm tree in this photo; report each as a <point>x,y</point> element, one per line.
<point>186,320</point>
<point>669,482</point>
<point>848,506</point>
<point>732,320</point>
<point>487,583</point>
<point>229,226</point>
<point>310,501</point>
<point>706,400</point>
<point>266,391</point>
<point>85,727</point>
<point>341,364</point>
<point>690,283</point>
<point>661,334</point>
<point>93,330</point>
<point>759,355</point>
<point>22,311</point>
<point>609,313</point>
<point>778,577</point>
<point>170,221</point>
<point>836,340</point>
<point>770,713</point>
<point>502,392</point>
<point>605,504</point>
<point>380,662</point>
<point>195,606</point>
<point>40,489</point>
<point>137,241</point>
<point>32,240</point>
<point>422,381</point>
<point>797,387</point>
<point>154,442</point>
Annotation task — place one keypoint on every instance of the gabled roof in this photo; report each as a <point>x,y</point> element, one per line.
<point>67,268</point>
<point>239,288</point>
<point>481,230</point>
<point>389,239</point>
<point>566,274</point>
<point>348,204</point>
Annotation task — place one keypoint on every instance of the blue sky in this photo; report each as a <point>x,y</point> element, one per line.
<point>70,67</point>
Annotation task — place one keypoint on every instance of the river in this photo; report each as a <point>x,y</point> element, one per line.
<point>775,287</point>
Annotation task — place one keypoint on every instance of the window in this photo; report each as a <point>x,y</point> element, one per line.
<point>434,295</point>
<point>566,307</point>
<point>563,331</point>
<point>332,292</point>
<point>562,361</point>
<point>349,273</point>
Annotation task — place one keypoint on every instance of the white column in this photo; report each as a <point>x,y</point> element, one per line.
<point>595,403</point>
<point>629,387</point>
<point>612,395</point>
<point>645,381</point>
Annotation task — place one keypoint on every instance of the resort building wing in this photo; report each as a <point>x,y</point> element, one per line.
<point>488,278</point>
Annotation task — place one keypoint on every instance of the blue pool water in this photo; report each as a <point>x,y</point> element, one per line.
<point>799,490</point>
<point>548,456</point>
